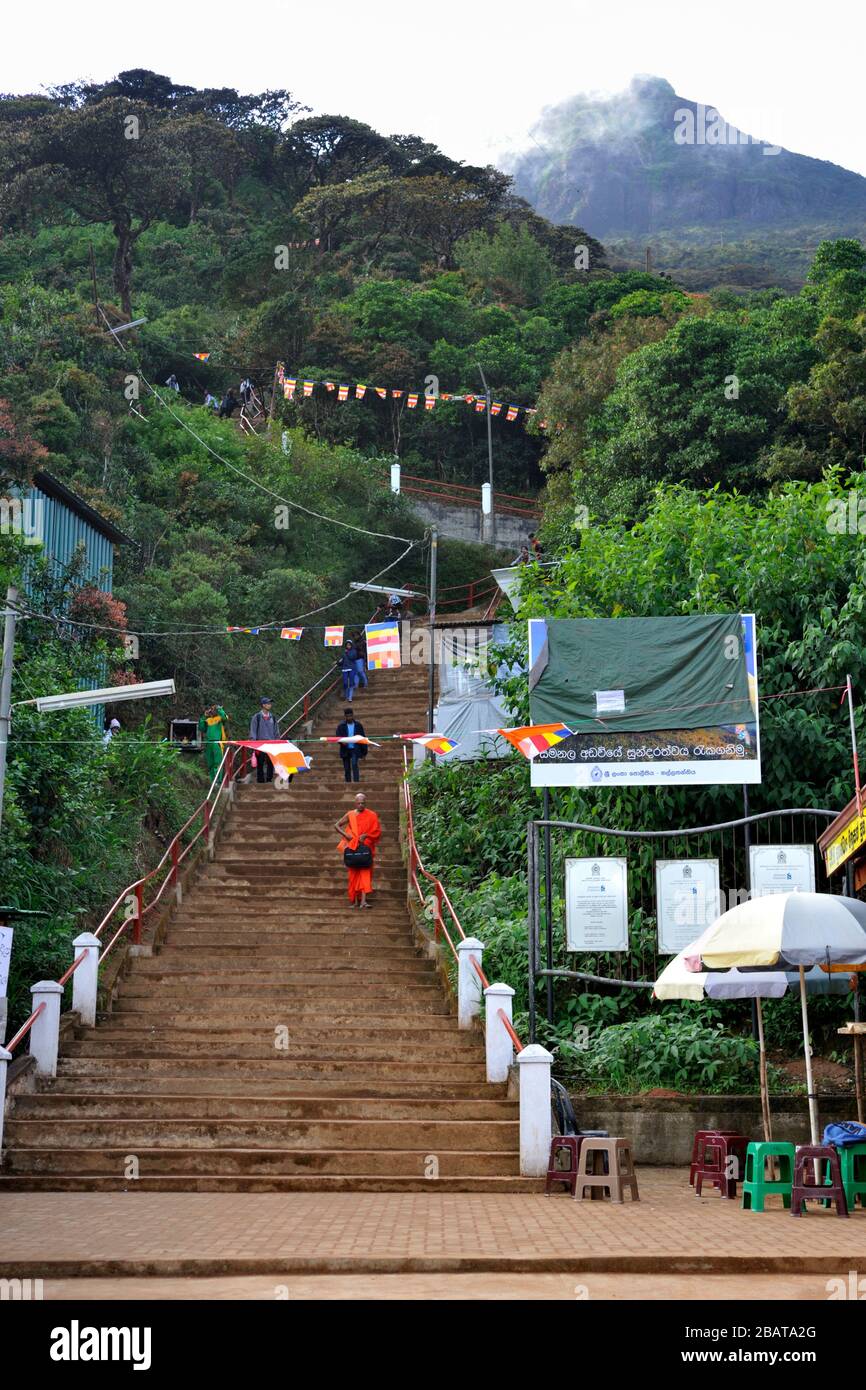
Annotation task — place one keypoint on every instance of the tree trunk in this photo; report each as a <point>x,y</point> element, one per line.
<point>123,262</point>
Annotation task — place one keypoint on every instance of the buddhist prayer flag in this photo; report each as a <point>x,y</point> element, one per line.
<point>343,393</point>
<point>352,738</point>
<point>253,630</point>
<point>202,356</point>
<point>330,386</point>
<point>495,407</point>
<point>281,373</point>
<point>381,392</point>
<point>397,394</point>
<point>334,636</point>
<point>429,402</point>
<point>532,739</point>
<point>412,399</point>
<point>383,646</point>
<point>359,392</point>
<point>511,413</point>
<point>467,399</point>
<point>289,387</point>
<point>291,634</point>
<point>286,757</point>
<point>308,388</point>
<point>437,743</point>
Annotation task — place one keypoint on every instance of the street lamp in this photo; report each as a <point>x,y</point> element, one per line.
<point>110,695</point>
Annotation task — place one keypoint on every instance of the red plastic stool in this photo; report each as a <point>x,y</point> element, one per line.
<point>571,1143</point>
<point>715,1165</point>
<point>808,1160</point>
<point>699,1146</point>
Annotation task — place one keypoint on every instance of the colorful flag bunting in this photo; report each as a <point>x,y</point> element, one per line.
<point>343,393</point>
<point>437,743</point>
<point>291,634</point>
<point>467,399</point>
<point>480,405</point>
<point>359,392</point>
<point>253,630</point>
<point>429,402</point>
<point>533,739</point>
<point>397,394</point>
<point>383,646</point>
<point>352,738</point>
<point>308,388</point>
<point>281,373</point>
<point>330,386</point>
<point>381,392</point>
<point>334,636</point>
<point>286,756</point>
<point>495,407</point>
<point>511,413</point>
<point>412,399</point>
<point>202,356</point>
<point>289,387</point>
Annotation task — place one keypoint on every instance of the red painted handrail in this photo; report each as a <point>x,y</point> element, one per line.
<point>25,1029</point>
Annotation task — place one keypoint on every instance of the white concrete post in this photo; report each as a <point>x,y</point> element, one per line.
<point>535,1124</point>
<point>499,1047</point>
<point>45,1032</point>
<point>86,978</point>
<point>468,981</point>
<point>5,1059</point>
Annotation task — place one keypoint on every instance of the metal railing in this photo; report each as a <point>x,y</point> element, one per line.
<point>133,896</point>
<point>462,495</point>
<point>441,898</point>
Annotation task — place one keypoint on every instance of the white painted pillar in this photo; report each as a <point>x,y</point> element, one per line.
<point>468,981</point>
<point>535,1124</point>
<point>5,1059</point>
<point>499,1047</point>
<point>45,1032</point>
<point>86,978</point>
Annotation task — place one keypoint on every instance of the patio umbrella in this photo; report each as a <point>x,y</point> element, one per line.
<point>788,931</point>
<point>678,981</point>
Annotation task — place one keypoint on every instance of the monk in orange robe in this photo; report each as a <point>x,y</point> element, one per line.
<point>362,828</point>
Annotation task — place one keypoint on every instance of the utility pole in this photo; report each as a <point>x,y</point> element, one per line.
<point>93,280</point>
<point>434,548</point>
<point>6,684</point>
<point>489,457</point>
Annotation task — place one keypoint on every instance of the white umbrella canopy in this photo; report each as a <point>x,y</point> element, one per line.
<point>783,930</point>
<point>678,981</point>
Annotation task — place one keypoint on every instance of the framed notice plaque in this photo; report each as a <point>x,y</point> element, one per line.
<point>781,869</point>
<point>687,900</point>
<point>596,904</point>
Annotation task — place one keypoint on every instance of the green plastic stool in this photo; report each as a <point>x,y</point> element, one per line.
<point>853,1183</point>
<point>756,1185</point>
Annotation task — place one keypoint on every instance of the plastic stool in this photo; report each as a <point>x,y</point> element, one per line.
<point>852,1162</point>
<point>606,1166</point>
<point>699,1146</point>
<point>571,1144</point>
<point>756,1185</point>
<point>716,1165</point>
<point>808,1160</point>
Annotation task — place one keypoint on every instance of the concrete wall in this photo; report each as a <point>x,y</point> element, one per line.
<point>662,1129</point>
<point>465,523</point>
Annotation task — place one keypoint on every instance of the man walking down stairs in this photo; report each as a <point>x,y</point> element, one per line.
<point>280,1041</point>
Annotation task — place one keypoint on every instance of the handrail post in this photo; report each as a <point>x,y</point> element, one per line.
<point>5,1059</point>
<point>471,603</point>
<point>306,707</point>
<point>139,914</point>
<point>86,978</point>
<point>175,872</point>
<point>499,1048</point>
<point>468,981</point>
<point>438,930</point>
<point>534,1063</point>
<point>45,1033</point>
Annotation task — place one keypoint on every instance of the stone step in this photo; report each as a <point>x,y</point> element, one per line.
<point>241,965</point>
<point>255,1043</point>
<point>318,1182</point>
<point>305,939</point>
<point>126,1081</point>
<point>287,1066</point>
<point>161,997</point>
<point>241,1160</point>
<point>131,1106</point>
<point>343,1025</point>
<point>281,1136</point>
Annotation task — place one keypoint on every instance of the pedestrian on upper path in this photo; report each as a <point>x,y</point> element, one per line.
<point>349,669</point>
<point>351,752</point>
<point>361,835</point>
<point>213,727</point>
<point>264,729</point>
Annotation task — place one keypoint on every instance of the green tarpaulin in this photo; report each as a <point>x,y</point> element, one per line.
<point>636,674</point>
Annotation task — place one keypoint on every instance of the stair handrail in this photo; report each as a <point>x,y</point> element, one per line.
<point>133,895</point>
<point>416,863</point>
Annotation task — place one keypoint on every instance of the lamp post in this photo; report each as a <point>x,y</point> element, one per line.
<point>492,522</point>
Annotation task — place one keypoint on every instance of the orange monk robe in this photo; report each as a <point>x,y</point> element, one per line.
<point>361,823</point>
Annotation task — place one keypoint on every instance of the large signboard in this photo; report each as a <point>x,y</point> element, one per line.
<point>596,904</point>
<point>650,701</point>
<point>781,869</point>
<point>687,901</point>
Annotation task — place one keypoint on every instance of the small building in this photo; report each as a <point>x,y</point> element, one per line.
<point>66,526</point>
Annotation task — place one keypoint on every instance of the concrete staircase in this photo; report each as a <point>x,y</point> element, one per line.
<point>281,1040</point>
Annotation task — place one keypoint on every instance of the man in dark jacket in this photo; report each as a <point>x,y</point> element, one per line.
<point>264,728</point>
<point>351,752</point>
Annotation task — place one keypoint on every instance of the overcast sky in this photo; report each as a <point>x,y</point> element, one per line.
<point>474,76</point>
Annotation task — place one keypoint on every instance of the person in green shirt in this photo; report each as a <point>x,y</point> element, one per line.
<point>214,732</point>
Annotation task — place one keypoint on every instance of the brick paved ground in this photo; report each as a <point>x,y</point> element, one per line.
<point>69,1235</point>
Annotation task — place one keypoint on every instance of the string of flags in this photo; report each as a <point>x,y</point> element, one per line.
<point>530,740</point>
<point>345,391</point>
